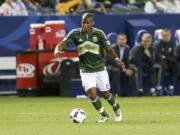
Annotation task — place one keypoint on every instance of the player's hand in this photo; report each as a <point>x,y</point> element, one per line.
<point>147,52</point>
<point>57,54</point>
<point>119,62</point>
<point>128,72</point>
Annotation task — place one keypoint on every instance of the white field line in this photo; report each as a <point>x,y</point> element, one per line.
<point>128,113</point>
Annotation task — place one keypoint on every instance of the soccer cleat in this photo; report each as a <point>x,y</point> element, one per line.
<point>103,120</point>
<point>118,115</point>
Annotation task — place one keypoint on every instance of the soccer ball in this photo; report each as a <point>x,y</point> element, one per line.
<point>78,115</point>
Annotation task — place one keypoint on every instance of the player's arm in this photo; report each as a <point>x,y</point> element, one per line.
<point>110,51</point>
<point>68,39</point>
<point>58,49</point>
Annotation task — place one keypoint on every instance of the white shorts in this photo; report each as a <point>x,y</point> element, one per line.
<point>98,80</point>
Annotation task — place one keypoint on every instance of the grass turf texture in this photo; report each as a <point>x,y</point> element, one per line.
<point>50,116</point>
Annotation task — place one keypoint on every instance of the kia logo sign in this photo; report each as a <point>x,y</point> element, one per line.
<point>25,70</point>
<point>52,68</point>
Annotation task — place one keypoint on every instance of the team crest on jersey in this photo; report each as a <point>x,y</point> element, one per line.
<point>80,40</point>
<point>94,39</point>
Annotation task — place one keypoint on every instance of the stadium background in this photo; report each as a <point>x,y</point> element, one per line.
<point>50,115</point>
<point>14,36</point>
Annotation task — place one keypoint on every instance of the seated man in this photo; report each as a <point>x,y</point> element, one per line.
<point>165,58</point>
<point>141,59</point>
<point>122,50</point>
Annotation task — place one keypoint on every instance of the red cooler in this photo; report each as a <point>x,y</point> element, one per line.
<point>37,31</point>
<point>54,33</point>
<point>26,70</point>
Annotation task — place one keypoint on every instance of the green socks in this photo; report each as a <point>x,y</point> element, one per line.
<point>97,104</point>
<point>113,103</point>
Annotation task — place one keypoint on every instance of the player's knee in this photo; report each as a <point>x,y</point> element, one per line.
<point>106,94</point>
<point>92,94</point>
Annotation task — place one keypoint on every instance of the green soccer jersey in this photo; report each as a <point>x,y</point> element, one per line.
<point>89,47</point>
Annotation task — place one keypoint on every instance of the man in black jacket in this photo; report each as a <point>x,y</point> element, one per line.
<point>177,54</point>
<point>122,50</point>
<point>164,56</point>
<point>141,60</point>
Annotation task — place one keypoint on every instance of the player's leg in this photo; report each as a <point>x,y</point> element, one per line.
<point>104,87</point>
<point>151,71</point>
<point>89,84</point>
<point>116,107</point>
<point>92,93</point>
<point>173,77</point>
<point>159,77</point>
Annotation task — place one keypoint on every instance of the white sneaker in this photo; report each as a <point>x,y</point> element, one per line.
<point>118,116</point>
<point>103,120</point>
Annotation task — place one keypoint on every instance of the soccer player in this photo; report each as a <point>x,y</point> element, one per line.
<point>90,44</point>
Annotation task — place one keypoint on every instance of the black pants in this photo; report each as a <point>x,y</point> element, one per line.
<point>116,80</point>
<point>139,76</point>
<point>170,67</point>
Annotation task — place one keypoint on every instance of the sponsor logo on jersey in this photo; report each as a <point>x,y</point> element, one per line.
<point>25,70</point>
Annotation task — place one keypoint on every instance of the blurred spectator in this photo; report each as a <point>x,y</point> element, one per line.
<point>22,7</point>
<point>46,6</point>
<point>141,60</point>
<point>154,6</point>
<point>122,50</point>
<point>74,6</point>
<point>139,3</point>
<point>31,8</point>
<point>164,56</point>
<point>172,6</point>
<point>9,8</point>
<point>86,5</point>
<point>69,7</point>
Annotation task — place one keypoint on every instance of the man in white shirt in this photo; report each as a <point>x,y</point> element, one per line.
<point>9,8</point>
<point>22,7</point>
<point>122,50</point>
<point>154,6</point>
<point>172,6</point>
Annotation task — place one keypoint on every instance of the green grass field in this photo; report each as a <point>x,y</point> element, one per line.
<point>50,116</point>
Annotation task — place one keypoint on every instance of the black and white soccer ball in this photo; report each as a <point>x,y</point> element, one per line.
<point>78,115</point>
